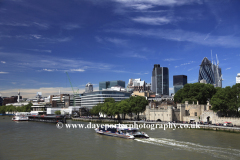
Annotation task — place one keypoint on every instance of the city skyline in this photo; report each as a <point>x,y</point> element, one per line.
<point>97,41</point>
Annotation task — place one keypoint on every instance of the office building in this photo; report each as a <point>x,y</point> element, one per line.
<point>238,78</point>
<point>109,84</point>
<point>91,99</point>
<point>178,82</point>
<point>210,72</point>
<point>65,100</point>
<point>1,101</point>
<point>88,88</point>
<point>138,85</point>
<point>12,99</point>
<point>160,80</point>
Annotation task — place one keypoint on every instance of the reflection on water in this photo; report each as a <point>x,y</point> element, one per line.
<point>37,140</point>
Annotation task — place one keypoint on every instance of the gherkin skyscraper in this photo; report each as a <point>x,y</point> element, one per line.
<point>210,72</point>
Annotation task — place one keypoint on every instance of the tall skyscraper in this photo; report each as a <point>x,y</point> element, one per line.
<point>178,82</point>
<point>210,72</point>
<point>88,88</point>
<point>109,84</point>
<point>238,78</point>
<point>160,80</point>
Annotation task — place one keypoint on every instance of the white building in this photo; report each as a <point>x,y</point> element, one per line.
<point>238,78</point>
<point>63,111</point>
<point>138,85</point>
<point>39,108</point>
<point>89,87</point>
<point>115,88</point>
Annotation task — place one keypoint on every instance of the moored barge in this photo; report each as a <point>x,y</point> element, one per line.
<point>47,118</point>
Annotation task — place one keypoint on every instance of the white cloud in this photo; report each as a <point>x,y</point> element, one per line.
<point>31,92</point>
<point>77,70</point>
<point>193,81</point>
<point>71,26</point>
<point>3,62</point>
<point>36,36</point>
<point>184,64</point>
<point>49,70</point>
<point>116,41</point>
<point>170,59</point>
<point>133,55</point>
<point>26,62</point>
<point>65,39</point>
<point>228,68</point>
<point>183,36</point>
<point>190,69</point>
<point>39,50</point>
<point>98,39</point>
<point>152,20</point>
<point>41,25</point>
<point>187,63</point>
<point>3,72</point>
<point>15,24</point>
<point>129,3</point>
<point>141,6</point>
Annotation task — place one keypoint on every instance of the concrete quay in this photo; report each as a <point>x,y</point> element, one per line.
<point>202,127</point>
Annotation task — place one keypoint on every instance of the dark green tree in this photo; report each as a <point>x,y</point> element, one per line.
<point>195,92</point>
<point>2,109</point>
<point>221,101</point>
<point>96,109</point>
<point>139,104</point>
<point>57,112</point>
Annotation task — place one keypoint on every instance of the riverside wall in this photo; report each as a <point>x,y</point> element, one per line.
<point>202,127</point>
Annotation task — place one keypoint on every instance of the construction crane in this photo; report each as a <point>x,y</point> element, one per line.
<point>74,93</point>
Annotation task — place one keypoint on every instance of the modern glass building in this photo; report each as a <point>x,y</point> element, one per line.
<point>109,84</point>
<point>88,88</point>
<point>90,100</point>
<point>210,72</point>
<point>178,82</point>
<point>160,80</point>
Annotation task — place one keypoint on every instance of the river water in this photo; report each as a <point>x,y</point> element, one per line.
<point>37,140</point>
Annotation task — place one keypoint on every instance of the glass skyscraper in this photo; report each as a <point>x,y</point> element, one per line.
<point>178,82</point>
<point>109,84</point>
<point>160,80</point>
<point>210,72</point>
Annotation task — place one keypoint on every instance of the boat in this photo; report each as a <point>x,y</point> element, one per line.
<point>122,132</point>
<point>21,116</point>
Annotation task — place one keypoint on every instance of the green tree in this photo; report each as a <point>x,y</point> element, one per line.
<point>221,101</point>
<point>139,104</point>
<point>236,97</point>
<point>96,109</point>
<point>111,100</point>
<point>124,107</point>
<point>195,92</point>
<point>2,109</point>
<point>57,112</point>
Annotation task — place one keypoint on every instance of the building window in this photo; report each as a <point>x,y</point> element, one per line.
<point>195,113</point>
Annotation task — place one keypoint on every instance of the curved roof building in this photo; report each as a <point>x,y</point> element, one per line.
<point>210,72</point>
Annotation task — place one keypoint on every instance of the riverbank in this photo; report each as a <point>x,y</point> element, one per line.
<point>202,127</point>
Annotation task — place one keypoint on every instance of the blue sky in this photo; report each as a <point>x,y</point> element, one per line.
<point>100,40</point>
